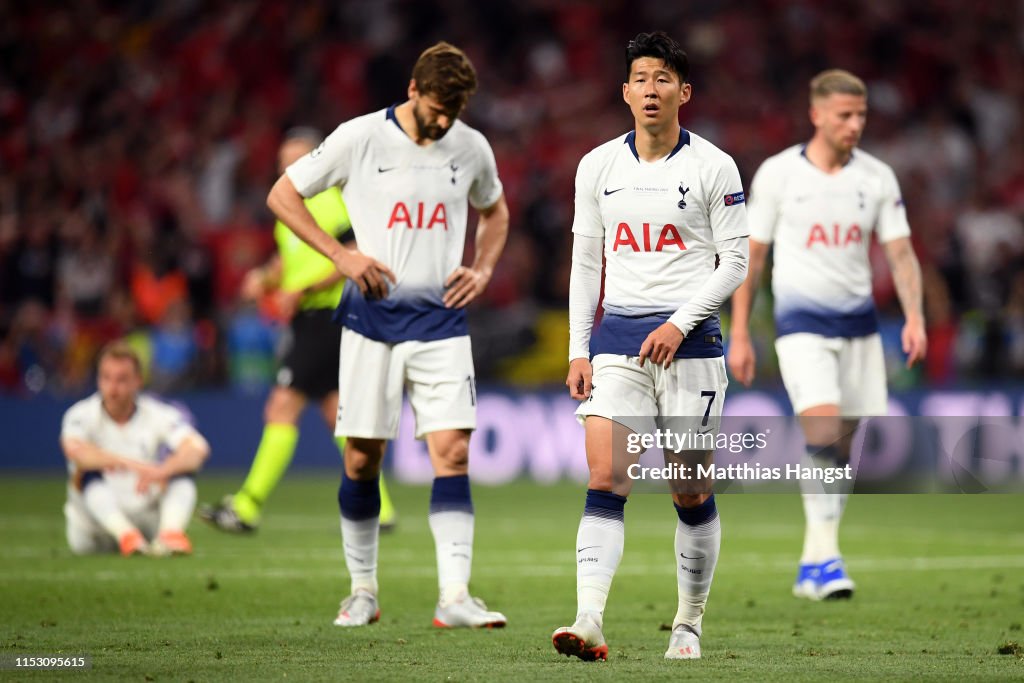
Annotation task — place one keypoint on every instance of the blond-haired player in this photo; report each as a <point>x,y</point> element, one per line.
<point>131,461</point>
<point>818,204</point>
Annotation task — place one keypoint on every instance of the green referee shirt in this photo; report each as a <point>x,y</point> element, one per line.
<point>301,265</point>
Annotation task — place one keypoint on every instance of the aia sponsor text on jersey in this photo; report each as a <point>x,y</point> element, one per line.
<point>836,237</point>
<point>417,216</point>
<point>648,238</point>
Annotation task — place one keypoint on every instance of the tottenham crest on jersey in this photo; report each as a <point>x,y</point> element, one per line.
<point>682,200</point>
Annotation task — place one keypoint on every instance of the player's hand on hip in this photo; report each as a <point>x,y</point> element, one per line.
<point>915,341</point>
<point>741,359</point>
<point>660,345</point>
<point>580,378</point>
<point>369,274</point>
<point>463,286</point>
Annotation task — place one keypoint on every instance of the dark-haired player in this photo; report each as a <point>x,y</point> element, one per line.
<point>407,174</point>
<point>659,204</point>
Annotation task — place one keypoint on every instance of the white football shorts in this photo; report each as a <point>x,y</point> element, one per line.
<point>686,396</point>
<point>438,376</point>
<point>848,372</point>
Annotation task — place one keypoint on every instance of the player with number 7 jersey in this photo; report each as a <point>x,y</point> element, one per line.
<point>665,210</point>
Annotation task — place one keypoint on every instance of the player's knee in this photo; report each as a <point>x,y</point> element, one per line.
<point>456,456</point>
<point>601,479</point>
<point>283,406</point>
<point>363,457</point>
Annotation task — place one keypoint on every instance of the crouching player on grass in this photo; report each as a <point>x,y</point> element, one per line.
<point>121,494</point>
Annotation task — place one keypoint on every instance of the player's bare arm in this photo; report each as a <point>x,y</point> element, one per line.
<point>741,358</point>
<point>580,378</point>
<point>87,456</point>
<point>188,457</point>
<point>906,273</point>
<point>367,273</point>
<point>466,284</point>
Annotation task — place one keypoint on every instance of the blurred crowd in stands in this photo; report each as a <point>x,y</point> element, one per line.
<point>138,141</point>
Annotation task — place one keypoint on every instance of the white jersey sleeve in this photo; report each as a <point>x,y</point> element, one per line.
<point>762,207</point>
<point>171,426</point>
<point>892,214</point>
<point>329,163</point>
<point>727,218</point>
<point>584,292</point>
<point>587,217</point>
<point>486,188</point>
<point>76,423</point>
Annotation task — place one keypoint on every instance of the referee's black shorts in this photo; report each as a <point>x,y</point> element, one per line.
<point>309,354</point>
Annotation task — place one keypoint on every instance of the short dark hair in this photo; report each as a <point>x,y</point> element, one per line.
<point>660,46</point>
<point>445,72</point>
<point>307,133</point>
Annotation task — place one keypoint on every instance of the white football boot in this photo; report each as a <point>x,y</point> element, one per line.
<point>684,643</point>
<point>467,612</point>
<point>583,639</point>
<point>358,609</point>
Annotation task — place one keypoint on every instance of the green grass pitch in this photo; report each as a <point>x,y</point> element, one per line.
<point>940,591</point>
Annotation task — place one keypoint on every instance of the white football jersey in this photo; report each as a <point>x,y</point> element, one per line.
<point>821,227</point>
<point>408,206</point>
<point>155,429</point>
<point>660,221</point>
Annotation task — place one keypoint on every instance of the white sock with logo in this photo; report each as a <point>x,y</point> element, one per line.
<point>360,537</point>
<point>359,502</point>
<point>451,523</point>
<point>599,545</point>
<point>697,543</point>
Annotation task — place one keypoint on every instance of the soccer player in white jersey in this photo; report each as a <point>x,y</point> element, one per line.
<point>659,204</point>
<point>407,174</point>
<point>131,461</point>
<point>819,203</point>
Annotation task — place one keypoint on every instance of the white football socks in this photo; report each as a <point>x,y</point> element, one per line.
<point>360,538</point>
<point>453,541</point>
<point>697,548</point>
<point>599,545</point>
<point>177,504</point>
<point>101,502</point>
<point>822,512</point>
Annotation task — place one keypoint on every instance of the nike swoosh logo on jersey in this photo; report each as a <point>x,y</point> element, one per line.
<point>381,169</point>
<point>608,192</point>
